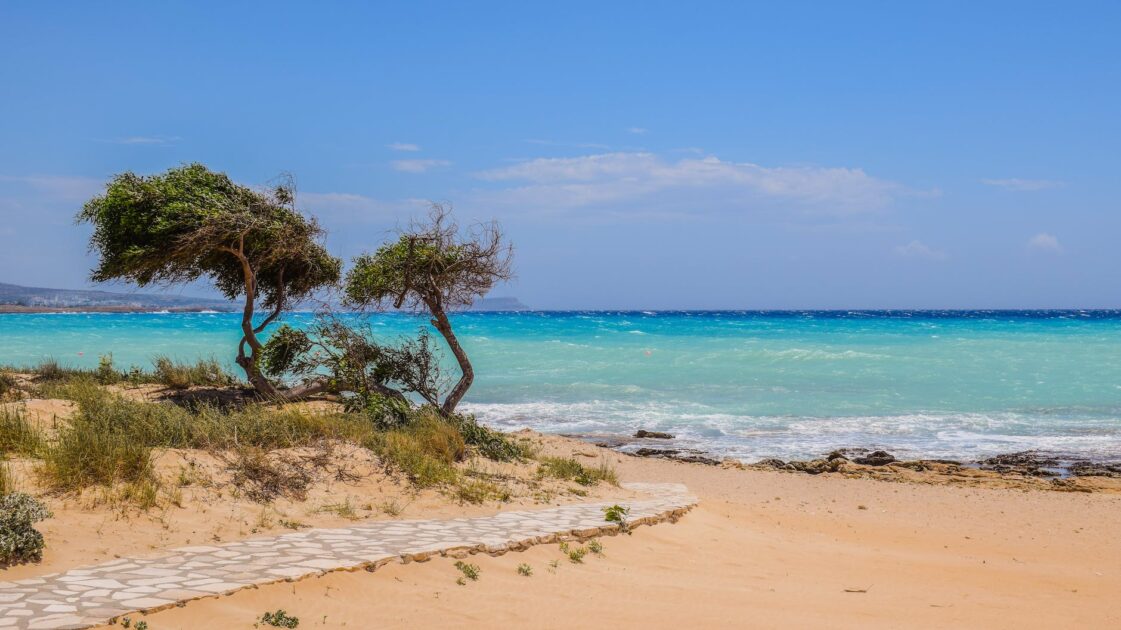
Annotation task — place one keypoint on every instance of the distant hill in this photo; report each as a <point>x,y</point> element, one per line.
<point>499,304</point>
<point>19,298</point>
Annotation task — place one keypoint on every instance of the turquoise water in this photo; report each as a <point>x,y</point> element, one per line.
<point>748,385</point>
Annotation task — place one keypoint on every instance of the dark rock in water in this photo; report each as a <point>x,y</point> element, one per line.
<point>687,455</point>
<point>875,458</point>
<point>1090,469</point>
<point>656,435</point>
<point>1030,463</point>
<point>842,453</point>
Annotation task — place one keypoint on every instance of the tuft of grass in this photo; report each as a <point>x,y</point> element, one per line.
<point>568,469</point>
<point>576,556</point>
<point>17,435</point>
<point>424,451</point>
<point>8,385</point>
<point>7,482</point>
<point>179,375</point>
<point>264,478</point>
<point>391,507</point>
<point>345,509</point>
<point>490,443</point>
<point>595,547</point>
<point>525,570</point>
<point>469,571</point>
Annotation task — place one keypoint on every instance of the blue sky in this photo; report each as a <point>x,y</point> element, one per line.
<point>640,155</point>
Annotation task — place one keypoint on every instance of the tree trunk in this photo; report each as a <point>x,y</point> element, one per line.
<point>444,325</point>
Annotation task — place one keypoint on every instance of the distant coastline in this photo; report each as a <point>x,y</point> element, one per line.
<point>8,309</point>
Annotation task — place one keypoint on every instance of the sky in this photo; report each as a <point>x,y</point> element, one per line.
<point>646,155</point>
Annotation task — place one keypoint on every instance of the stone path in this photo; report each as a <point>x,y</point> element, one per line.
<point>80,598</point>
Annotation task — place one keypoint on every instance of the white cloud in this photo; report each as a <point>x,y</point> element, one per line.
<point>616,178</point>
<point>1022,185</point>
<point>417,166</point>
<point>403,146</point>
<point>350,207</point>
<point>1044,242</point>
<point>638,131</point>
<point>60,187</point>
<point>917,249</point>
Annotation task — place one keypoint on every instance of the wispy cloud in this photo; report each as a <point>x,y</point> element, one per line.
<point>61,187</point>
<point>148,140</point>
<point>620,178</point>
<point>918,249</point>
<point>1044,242</point>
<point>1022,185</point>
<point>404,146</point>
<point>638,131</point>
<point>354,208</point>
<point>570,145</point>
<point>418,166</point>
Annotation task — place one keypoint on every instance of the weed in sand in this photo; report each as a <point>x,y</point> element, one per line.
<point>525,570</point>
<point>469,571</point>
<point>278,619</point>
<point>576,556</point>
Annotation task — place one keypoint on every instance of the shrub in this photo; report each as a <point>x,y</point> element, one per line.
<point>489,443</point>
<point>525,570</point>
<point>19,540</point>
<point>617,514</point>
<point>51,370</point>
<point>469,571</point>
<point>107,374</point>
<point>7,484</point>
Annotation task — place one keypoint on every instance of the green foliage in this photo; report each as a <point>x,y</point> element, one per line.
<point>525,570</point>
<point>469,571</point>
<point>576,556</point>
<point>280,619</point>
<point>490,443</point>
<point>424,451</point>
<point>569,469</point>
<point>595,547</point>
<point>384,412</point>
<point>106,373</point>
<point>7,483</point>
<point>19,540</point>
<point>616,514</point>
<point>176,227</point>
<point>283,349</point>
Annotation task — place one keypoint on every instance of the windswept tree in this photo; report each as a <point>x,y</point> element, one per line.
<point>192,223</point>
<point>434,267</point>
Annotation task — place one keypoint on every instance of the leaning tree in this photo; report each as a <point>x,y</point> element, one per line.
<point>192,223</point>
<point>434,267</point>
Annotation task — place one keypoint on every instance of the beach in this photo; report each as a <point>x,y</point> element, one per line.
<point>761,550</point>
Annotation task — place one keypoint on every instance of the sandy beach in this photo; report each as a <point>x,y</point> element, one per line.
<point>762,550</point>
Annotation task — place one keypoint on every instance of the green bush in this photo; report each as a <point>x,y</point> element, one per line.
<point>280,619</point>
<point>19,540</point>
<point>8,385</point>
<point>16,433</point>
<point>489,443</point>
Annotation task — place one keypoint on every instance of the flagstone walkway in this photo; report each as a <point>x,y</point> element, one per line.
<point>84,597</point>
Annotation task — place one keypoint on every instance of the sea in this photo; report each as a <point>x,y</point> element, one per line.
<point>749,385</point>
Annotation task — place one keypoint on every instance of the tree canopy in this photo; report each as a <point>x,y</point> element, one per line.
<point>434,267</point>
<point>192,223</point>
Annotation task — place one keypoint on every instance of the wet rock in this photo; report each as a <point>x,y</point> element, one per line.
<point>842,453</point>
<point>875,458</point>
<point>680,455</point>
<point>1030,463</point>
<point>656,435</point>
<point>1090,469</point>
<point>818,466</point>
<point>772,462</point>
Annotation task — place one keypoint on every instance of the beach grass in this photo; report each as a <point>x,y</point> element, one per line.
<point>109,440</point>
<point>569,469</point>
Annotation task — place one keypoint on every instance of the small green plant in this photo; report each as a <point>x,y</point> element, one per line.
<point>279,619</point>
<point>469,571</point>
<point>292,524</point>
<point>19,540</point>
<point>107,374</point>
<point>141,625</point>
<point>595,547</point>
<point>576,556</point>
<point>525,570</point>
<point>564,547</point>
<point>617,514</point>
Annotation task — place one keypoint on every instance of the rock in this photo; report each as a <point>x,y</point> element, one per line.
<point>690,456</point>
<point>655,435</point>
<point>838,454</point>
<point>875,458</point>
<point>1090,469</point>
<point>1030,463</point>
<point>818,466</point>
